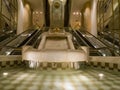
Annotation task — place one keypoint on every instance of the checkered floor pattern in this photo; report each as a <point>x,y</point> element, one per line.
<point>85,79</point>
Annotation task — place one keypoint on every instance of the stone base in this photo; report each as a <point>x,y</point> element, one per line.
<point>11,64</point>
<point>104,65</point>
<point>55,65</point>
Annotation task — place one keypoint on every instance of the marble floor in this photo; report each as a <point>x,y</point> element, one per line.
<point>84,79</point>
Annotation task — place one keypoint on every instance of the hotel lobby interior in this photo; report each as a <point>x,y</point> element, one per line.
<point>59,44</point>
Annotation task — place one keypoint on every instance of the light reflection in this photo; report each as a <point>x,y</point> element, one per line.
<point>83,35</point>
<point>115,5</point>
<point>104,55</point>
<point>68,86</point>
<point>5,74</point>
<point>7,52</point>
<point>101,75</point>
<point>31,64</point>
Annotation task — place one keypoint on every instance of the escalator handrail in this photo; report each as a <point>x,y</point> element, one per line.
<point>95,37</point>
<point>32,37</point>
<point>81,38</point>
<point>101,42</point>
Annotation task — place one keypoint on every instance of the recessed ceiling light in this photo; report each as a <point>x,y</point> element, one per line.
<point>77,13</point>
<point>36,12</point>
<point>80,13</point>
<point>74,13</point>
<point>41,12</point>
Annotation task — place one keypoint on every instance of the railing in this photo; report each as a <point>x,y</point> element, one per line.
<point>80,38</point>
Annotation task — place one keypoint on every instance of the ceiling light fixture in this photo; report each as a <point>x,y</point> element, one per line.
<point>41,12</point>
<point>36,12</point>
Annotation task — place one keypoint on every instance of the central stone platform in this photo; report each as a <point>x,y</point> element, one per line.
<point>56,41</point>
<point>54,48</point>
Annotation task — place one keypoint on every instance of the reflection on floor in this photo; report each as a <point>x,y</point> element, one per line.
<point>85,79</point>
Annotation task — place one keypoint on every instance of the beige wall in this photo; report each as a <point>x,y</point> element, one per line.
<point>87,16</point>
<point>90,17</point>
<point>75,15</point>
<point>24,16</point>
<point>38,18</point>
<point>75,20</point>
<point>38,15</point>
<point>27,17</point>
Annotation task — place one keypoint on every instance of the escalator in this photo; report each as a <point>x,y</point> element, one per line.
<point>97,48</point>
<point>6,37</point>
<point>78,38</point>
<point>110,28</point>
<point>14,46</point>
<point>112,41</point>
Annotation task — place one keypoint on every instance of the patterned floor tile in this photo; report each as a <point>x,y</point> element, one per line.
<point>84,79</point>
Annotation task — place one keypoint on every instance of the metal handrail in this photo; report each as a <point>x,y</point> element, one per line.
<point>111,49</point>
<point>80,38</point>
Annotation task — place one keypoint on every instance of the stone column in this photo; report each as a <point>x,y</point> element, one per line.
<point>57,13</point>
<point>24,16</point>
<point>20,16</point>
<point>94,17</point>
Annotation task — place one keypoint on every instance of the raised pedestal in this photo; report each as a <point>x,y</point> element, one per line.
<point>56,50</point>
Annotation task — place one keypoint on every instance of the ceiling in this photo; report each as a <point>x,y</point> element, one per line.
<point>38,4</point>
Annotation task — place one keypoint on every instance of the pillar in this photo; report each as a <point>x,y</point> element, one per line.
<point>94,18</point>
<point>24,16</point>
<point>57,13</point>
